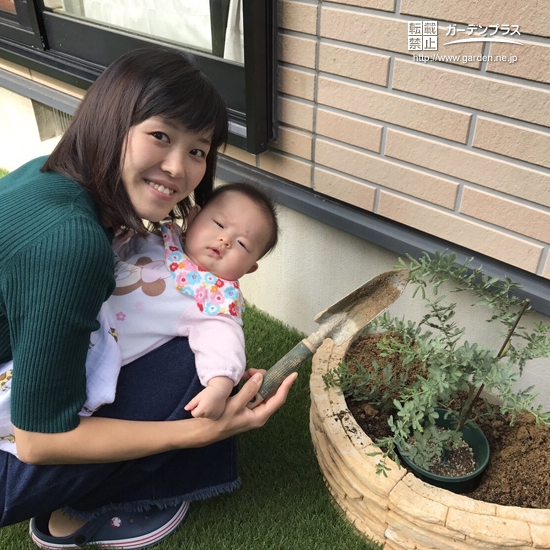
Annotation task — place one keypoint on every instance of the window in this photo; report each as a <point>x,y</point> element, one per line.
<point>231,40</point>
<point>7,5</point>
<point>49,121</point>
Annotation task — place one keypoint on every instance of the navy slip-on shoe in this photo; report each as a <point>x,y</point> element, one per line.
<point>115,529</point>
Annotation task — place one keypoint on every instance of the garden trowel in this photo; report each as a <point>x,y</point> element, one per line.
<point>340,322</point>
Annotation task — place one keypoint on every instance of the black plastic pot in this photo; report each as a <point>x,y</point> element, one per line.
<point>475,438</point>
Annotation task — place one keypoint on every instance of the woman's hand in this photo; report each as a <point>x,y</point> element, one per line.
<point>247,375</point>
<point>238,418</point>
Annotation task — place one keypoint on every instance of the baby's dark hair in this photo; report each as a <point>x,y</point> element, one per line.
<point>261,199</point>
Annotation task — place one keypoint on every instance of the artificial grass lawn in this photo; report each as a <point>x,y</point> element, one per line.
<point>283,503</point>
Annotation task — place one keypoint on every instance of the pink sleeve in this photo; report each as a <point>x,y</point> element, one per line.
<point>217,342</point>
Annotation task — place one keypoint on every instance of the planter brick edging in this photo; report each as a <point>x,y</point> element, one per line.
<point>399,510</point>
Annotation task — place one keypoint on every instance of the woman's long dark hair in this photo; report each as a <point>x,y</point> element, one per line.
<point>139,85</point>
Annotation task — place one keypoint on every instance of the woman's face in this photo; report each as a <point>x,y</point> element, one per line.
<point>162,164</point>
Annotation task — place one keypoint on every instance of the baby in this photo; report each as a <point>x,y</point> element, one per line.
<point>186,284</point>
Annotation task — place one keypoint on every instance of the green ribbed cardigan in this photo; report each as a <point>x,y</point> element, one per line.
<point>56,269</point>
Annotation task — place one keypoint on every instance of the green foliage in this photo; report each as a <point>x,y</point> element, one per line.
<point>3,172</point>
<point>452,363</point>
<point>361,384</point>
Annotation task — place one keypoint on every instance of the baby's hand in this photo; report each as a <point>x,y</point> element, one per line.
<point>210,402</point>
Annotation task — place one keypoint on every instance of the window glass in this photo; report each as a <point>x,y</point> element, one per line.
<point>7,5</point>
<point>187,23</point>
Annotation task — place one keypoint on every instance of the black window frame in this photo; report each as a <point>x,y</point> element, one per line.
<point>76,52</point>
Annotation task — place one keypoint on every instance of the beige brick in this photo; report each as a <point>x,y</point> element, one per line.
<point>368,526</point>
<point>513,141</point>
<point>294,142</point>
<point>479,92</point>
<point>353,63</point>
<point>532,62</point>
<point>349,130</point>
<point>368,512</point>
<point>58,85</point>
<point>433,535</point>
<point>296,50</point>
<point>452,500</point>
<point>357,490</point>
<point>344,189</point>
<point>541,536</point>
<point>498,245</point>
<point>286,167</point>
<point>546,270</point>
<point>388,107</point>
<point>328,469</point>
<point>528,221</point>
<point>506,177</point>
<point>412,504</point>
<point>238,154</point>
<point>14,68</point>
<point>296,113</point>
<point>385,33</point>
<point>540,516</point>
<point>386,173</point>
<point>530,15</point>
<point>408,535</point>
<point>438,534</point>
<point>296,82</point>
<point>395,534</point>
<point>377,487</point>
<point>333,470</point>
<point>385,5</point>
<point>297,16</point>
<point>496,531</point>
<point>366,509</point>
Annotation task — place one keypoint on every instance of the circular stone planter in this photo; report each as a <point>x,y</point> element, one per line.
<point>401,511</point>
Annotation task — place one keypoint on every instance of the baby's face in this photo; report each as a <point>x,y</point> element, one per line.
<point>228,236</point>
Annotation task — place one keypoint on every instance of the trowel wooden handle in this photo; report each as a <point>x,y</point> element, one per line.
<point>274,377</point>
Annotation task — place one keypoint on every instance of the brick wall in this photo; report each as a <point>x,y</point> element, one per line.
<point>458,149</point>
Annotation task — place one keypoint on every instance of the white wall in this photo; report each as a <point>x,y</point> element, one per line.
<point>19,138</point>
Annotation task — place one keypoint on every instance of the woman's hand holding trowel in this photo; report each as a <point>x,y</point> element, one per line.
<point>340,322</point>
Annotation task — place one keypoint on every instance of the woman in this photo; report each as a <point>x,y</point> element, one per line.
<point>143,141</point>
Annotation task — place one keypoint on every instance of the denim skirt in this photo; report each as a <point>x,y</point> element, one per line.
<point>153,388</point>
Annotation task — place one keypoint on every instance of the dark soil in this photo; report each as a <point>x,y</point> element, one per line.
<point>518,473</point>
